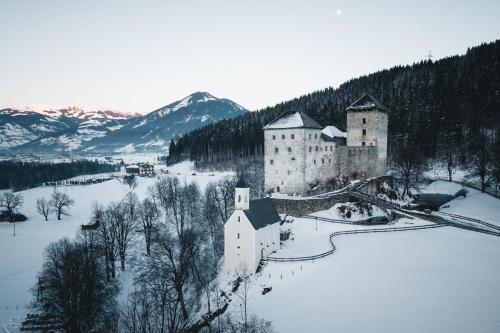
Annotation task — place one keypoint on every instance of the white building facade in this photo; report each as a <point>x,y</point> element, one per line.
<point>299,153</point>
<point>251,233</point>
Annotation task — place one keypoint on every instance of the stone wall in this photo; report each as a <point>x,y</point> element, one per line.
<point>361,160</point>
<point>372,186</point>
<point>307,206</point>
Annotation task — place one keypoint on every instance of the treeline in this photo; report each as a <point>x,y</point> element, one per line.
<point>18,175</point>
<point>444,101</point>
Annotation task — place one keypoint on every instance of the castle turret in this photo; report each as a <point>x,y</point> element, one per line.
<point>241,195</point>
<point>367,120</point>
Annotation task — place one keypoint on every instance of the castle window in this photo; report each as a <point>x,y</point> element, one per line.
<point>271,162</point>
<point>293,158</point>
<point>364,131</point>
<point>363,143</point>
<point>317,148</point>
<point>322,161</point>
<point>276,150</point>
<point>310,136</point>
<point>329,161</point>
<point>238,236</point>
<point>275,172</point>
<point>315,136</point>
<point>364,120</point>
<point>331,148</point>
<point>283,136</point>
<point>274,137</point>
<point>310,149</point>
<point>293,136</point>
<point>314,161</point>
<point>289,149</point>
<point>288,172</point>
<point>282,183</point>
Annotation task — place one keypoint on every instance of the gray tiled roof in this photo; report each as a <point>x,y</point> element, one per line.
<point>262,213</point>
<point>293,120</point>
<point>366,103</point>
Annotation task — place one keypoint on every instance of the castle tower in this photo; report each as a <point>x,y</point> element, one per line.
<point>241,195</point>
<point>367,120</point>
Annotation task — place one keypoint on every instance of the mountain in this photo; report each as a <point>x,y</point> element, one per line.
<point>155,130</point>
<point>103,131</point>
<point>64,128</point>
<point>444,104</point>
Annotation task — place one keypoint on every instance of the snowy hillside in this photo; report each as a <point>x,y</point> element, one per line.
<point>59,130</point>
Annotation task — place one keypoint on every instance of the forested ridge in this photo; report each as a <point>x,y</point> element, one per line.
<point>19,175</point>
<point>443,102</point>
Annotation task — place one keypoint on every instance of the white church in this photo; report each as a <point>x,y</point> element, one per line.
<point>251,233</point>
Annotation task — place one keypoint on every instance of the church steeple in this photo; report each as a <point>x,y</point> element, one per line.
<point>242,194</point>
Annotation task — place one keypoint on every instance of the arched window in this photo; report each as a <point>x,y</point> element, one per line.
<point>239,198</point>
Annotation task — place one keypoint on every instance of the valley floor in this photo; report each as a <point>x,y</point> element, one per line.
<point>436,280</point>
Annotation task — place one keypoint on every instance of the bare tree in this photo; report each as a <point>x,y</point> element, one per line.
<point>10,204</point>
<point>149,216</point>
<point>107,238</point>
<point>242,293</point>
<point>43,207</point>
<point>72,289</point>
<point>60,202</point>
<point>130,180</point>
<point>126,216</point>
<point>481,158</point>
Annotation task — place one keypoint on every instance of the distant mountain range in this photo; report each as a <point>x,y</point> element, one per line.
<point>103,131</point>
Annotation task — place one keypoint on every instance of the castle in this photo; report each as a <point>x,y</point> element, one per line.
<point>299,153</point>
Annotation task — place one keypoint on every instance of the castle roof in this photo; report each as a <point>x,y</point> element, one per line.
<point>262,213</point>
<point>367,103</point>
<point>333,132</point>
<point>293,120</point>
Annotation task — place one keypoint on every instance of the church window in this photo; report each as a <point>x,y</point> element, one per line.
<point>364,120</point>
<point>293,136</point>
<point>274,137</point>
<point>238,236</point>
<point>239,218</point>
<point>283,136</point>
<point>364,131</point>
<point>276,150</point>
<point>271,162</point>
<point>363,143</point>
<point>239,198</point>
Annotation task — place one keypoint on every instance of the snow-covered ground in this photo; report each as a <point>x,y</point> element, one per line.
<point>21,256</point>
<point>333,213</point>
<point>441,187</point>
<point>435,280</point>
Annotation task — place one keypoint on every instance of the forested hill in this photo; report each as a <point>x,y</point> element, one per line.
<point>443,103</point>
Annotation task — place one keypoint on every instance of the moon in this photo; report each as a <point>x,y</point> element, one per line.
<point>339,12</point>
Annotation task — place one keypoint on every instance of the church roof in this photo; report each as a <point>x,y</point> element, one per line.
<point>366,103</point>
<point>293,120</point>
<point>262,213</point>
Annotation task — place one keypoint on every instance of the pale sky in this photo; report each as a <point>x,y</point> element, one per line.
<point>139,55</point>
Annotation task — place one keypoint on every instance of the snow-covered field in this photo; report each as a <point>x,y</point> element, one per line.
<point>21,256</point>
<point>436,280</point>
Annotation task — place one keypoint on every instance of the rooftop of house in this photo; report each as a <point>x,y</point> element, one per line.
<point>262,213</point>
<point>366,103</point>
<point>293,120</point>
